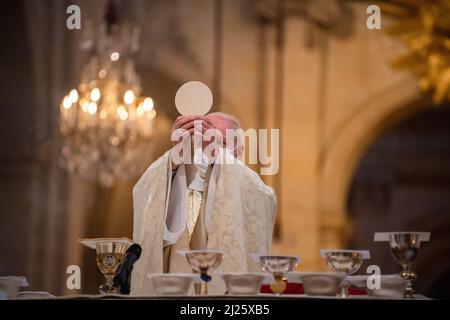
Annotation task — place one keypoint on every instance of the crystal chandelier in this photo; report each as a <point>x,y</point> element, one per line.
<point>105,124</point>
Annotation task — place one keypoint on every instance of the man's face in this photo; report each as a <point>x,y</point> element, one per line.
<point>205,130</point>
<point>221,123</point>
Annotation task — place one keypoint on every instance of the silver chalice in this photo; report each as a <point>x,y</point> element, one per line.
<point>203,261</point>
<point>404,248</point>
<point>346,261</point>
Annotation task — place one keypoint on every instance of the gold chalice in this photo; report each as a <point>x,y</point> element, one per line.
<point>346,261</point>
<point>110,253</point>
<point>278,266</point>
<point>404,249</point>
<point>203,261</point>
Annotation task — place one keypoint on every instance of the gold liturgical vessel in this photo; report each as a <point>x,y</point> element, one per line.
<point>278,266</point>
<point>110,253</point>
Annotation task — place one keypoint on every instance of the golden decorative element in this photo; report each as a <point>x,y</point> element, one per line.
<point>188,234</point>
<point>424,27</point>
<point>278,266</point>
<point>279,286</point>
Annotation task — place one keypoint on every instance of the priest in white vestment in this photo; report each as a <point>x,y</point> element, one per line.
<point>206,205</point>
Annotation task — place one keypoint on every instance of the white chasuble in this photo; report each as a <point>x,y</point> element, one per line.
<point>239,214</point>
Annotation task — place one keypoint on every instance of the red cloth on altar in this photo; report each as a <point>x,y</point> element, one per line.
<point>297,288</point>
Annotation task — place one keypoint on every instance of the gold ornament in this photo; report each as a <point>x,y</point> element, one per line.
<point>424,27</point>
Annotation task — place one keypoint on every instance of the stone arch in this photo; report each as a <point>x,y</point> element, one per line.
<point>374,117</point>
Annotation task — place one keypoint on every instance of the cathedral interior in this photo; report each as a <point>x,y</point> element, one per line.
<point>364,135</point>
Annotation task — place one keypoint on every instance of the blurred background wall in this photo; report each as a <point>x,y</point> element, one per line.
<point>362,148</point>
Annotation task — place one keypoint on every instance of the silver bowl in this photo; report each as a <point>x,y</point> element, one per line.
<point>346,261</point>
<point>177,284</point>
<point>278,264</point>
<point>319,283</point>
<point>243,283</point>
<point>204,260</point>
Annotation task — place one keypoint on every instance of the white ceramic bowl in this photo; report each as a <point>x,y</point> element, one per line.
<point>34,295</point>
<point>244,283</point>
<point>391,286</point>
<point>11,285</point>
<point>172,283</point>
<point>318,283</point>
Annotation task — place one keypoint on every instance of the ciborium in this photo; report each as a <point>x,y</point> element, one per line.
<point>110,253</point>
<point>346,261</point>
<point>203,261</point>
<point>278,266</point>
<point>404,248</point>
